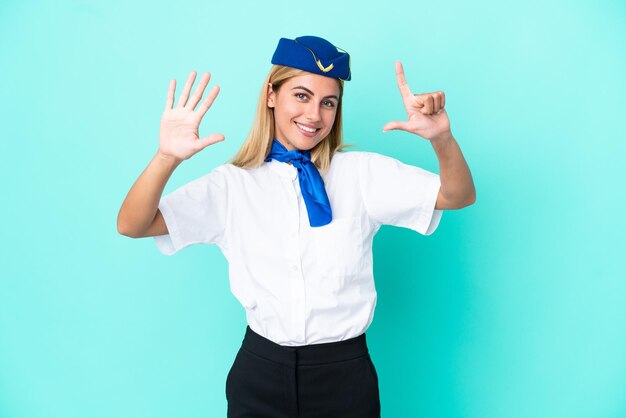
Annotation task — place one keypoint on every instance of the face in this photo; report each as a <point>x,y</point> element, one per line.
<point>304,110</point>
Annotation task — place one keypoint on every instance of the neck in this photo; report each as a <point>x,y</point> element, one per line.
<point>286,144</point>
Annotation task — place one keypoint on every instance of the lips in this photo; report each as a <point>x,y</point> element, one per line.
<point>307,130</point>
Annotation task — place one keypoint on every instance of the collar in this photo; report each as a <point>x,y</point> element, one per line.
<point>283,169</point>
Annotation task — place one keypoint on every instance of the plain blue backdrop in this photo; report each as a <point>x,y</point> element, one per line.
<point>514,308</point>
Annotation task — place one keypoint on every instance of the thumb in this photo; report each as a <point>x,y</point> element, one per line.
<point>202,143</point>
<point>396,124</point>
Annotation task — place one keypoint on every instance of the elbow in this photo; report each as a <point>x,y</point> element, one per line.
<point>457,202</point>
<point>469,200</point>
<point>472,198</point>
<point>124,229</point>
<point>121,229</point>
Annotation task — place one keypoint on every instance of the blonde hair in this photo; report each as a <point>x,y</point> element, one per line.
<point>258,144</point>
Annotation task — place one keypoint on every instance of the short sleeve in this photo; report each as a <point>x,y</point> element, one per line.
<point>399,194</point>
<point>195,213</point>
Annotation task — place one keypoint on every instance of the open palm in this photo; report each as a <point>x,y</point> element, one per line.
<point>425,112</point>
<point>178,134</point>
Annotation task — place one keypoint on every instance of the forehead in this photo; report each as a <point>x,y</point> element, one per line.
<point>318,84</point>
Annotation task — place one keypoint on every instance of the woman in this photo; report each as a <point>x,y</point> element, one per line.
<point>295,216</point>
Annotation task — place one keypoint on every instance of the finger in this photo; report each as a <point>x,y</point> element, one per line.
<point>202,143</point>
<point>443,99</point>
<point>427,101</point>
<point>395,125</point>
<point>182,100</point>
<point>405,91</point>
<point>197,95</point>
<point>436,102</point>
<point>169,102</point>
<point>208,101</point>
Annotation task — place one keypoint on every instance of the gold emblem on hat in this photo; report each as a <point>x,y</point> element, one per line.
<point>324,69</point>
<point>331,66</point>
<point>319,62</point>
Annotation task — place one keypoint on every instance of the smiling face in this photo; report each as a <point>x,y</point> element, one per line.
<point>305,107</point>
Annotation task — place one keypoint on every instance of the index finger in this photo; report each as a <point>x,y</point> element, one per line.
<point>405,91</point>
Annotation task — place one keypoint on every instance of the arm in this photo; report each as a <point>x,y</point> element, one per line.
<point>139,215</point>
<point>428,119</point>
<point>457,187</point>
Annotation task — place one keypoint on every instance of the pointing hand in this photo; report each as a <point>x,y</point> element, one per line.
<point>426,115</point>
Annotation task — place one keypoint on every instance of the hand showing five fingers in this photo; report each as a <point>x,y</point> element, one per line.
<point>178,135</point>
<point>426,115</point>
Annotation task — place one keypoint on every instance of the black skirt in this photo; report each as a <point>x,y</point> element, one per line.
<point>268,380</point>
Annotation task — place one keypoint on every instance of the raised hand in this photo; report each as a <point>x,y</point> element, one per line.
<point>425,113</point>
<point>178,135</point>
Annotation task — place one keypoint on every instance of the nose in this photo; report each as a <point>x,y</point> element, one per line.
<point>313,112</point>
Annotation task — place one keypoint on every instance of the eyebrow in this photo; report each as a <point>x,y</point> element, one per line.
<point>332,96</point>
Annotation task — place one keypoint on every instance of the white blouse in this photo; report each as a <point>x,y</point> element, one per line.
<point>301,284</point>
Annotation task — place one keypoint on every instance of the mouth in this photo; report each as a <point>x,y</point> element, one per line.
<point>307,130</point>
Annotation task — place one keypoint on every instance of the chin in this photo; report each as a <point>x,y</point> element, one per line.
<point>304,145</point>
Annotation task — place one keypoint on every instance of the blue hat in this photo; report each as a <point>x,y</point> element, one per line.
<point>313,54</point>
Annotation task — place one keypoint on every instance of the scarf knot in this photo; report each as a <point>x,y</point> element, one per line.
<point>311,182</point>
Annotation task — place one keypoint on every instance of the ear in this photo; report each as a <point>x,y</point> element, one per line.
<point>271,96</point>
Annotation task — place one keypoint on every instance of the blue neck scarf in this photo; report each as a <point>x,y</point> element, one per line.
<point>311,182</point>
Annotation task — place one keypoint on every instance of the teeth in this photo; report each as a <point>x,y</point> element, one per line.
<point>306,128</point>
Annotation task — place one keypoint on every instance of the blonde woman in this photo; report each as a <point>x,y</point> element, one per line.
<point>295,216</point>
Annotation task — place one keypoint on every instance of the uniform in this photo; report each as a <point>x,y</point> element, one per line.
<point>299,249</point>
<point>305,289</point>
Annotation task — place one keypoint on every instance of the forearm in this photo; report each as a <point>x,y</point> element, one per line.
<point>141,203</point>
<point>457,186</point>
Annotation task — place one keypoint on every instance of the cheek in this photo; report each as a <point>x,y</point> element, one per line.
<point>287,111</point>
<point>329,119</point>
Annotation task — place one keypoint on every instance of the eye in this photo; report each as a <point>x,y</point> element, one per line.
<point>301,96</point>
<point>328,103</point>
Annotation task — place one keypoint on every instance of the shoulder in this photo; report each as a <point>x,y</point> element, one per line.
<point>219,176</point>
<point>228,170</point>
<point>347,166</point>
<point>230,174</point>
<point>362,162</point>
<point>358,158</point>
<point>369,163</point>
<point>350,157</point>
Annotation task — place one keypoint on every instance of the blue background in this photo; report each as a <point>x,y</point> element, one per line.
<point>514,308</point>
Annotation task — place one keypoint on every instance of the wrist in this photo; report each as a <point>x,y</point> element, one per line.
<point>442,140</point>
<point>168,160</point>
